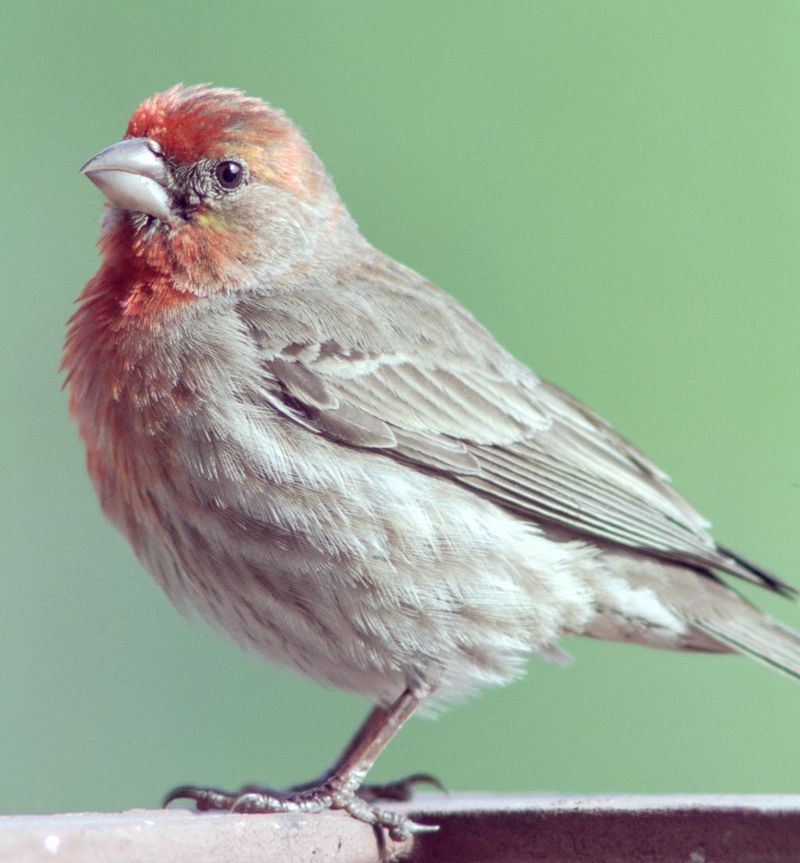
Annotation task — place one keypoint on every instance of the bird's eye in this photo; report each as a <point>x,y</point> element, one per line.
<point>229,175</point>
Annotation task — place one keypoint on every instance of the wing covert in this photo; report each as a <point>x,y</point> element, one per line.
<point>386,362</point>
<point>520,442</point>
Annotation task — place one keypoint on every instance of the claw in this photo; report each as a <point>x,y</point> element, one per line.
<point>180,792</point>
<point>408,828</point>
<point>400,789</point>
<point>204,798</point>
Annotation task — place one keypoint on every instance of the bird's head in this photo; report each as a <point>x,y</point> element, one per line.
<point>212,187</point>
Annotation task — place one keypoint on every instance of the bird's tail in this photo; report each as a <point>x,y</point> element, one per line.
<point>716,617</point>
<point>758,636</point>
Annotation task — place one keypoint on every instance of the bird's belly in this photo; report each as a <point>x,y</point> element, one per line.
<point>349,566</point>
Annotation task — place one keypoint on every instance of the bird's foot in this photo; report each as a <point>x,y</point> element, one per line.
<point>329,796</point>
<point>253,799</point>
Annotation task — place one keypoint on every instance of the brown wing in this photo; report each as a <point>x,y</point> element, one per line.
<point>529,448</point>
<point>426,384</point>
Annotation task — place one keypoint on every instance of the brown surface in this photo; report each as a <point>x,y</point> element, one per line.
<point>619,829</point>
<point>499,829</point>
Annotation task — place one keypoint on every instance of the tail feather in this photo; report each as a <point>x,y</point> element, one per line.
<point>758,636</point>
<point>750,571</point>
<point>717,617</point>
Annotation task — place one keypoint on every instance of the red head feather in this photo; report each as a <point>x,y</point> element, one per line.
<point>190,123</point>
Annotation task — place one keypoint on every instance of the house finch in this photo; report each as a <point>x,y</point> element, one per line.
<point>331,460</point>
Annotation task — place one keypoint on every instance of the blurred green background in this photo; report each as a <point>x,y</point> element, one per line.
<point>612,187</point>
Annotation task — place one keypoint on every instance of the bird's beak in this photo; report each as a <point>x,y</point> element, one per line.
<point>132,175</point>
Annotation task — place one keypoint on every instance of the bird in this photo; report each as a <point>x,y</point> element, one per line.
<point>331,460</point>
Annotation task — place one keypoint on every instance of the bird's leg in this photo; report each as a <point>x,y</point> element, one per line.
<point>399,789</point>
<point>338,789</point>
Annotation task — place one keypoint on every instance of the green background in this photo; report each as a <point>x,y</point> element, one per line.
<point>612,187</point>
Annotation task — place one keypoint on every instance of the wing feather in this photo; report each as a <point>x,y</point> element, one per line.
<point>429,386</point>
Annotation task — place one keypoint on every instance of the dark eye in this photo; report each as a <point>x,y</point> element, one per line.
<point>229,175</point>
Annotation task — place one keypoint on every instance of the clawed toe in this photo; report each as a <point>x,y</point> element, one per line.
<point>400,789</point>
<point>305,801</point>
<point>204,798</point>
<point>214,798</point>
<point>399,827</point>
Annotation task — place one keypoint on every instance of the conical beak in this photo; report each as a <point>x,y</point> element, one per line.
<point>132,175</point>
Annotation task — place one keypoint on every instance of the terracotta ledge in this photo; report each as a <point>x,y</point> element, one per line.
<point>475,829</point>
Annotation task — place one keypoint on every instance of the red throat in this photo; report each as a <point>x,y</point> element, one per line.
<point>136,277</point>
